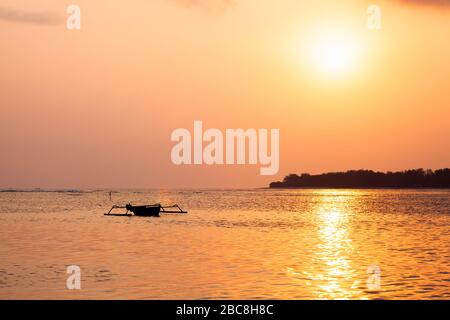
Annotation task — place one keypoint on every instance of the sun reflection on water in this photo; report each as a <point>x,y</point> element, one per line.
<point>336,279</point>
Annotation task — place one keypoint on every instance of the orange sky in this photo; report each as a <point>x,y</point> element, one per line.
<point>96,107</point>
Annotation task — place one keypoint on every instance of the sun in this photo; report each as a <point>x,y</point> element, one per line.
<point>333,53</point>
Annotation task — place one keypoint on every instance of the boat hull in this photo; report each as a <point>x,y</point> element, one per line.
<point>145,211</point>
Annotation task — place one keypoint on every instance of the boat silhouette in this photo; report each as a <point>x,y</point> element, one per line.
<point>150,210</point>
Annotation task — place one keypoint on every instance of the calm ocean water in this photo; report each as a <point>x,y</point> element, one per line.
<point>233,244</point>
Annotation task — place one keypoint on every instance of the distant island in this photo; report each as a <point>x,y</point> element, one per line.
<point>416,178</point>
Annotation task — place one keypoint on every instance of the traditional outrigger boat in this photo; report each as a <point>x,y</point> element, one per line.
<point>152,210</point>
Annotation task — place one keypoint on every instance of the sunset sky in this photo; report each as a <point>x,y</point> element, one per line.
<point>95,107</point>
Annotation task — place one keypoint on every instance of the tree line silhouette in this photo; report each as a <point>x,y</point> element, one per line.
<point>416,178</point>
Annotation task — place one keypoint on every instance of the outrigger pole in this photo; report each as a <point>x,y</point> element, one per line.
<point>118,214</point>
<point>163,209</point>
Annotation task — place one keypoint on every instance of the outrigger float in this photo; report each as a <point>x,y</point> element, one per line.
<point>152,210</point>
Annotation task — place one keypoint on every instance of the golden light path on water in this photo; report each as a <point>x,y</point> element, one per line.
<point>333,250</point>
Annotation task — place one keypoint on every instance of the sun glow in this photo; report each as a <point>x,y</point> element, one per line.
<point>333,53</point>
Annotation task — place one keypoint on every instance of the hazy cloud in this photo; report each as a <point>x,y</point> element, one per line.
<point>21,16</point>
<point>211,4</point>
<point>427,2</point>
